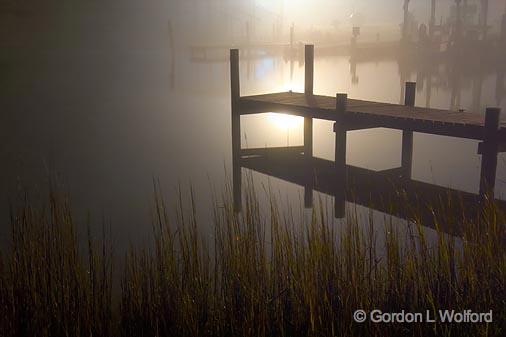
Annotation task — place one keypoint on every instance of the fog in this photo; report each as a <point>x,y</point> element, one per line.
<point>142,24</point>
<point>226,18</point>
<point>110,95</point>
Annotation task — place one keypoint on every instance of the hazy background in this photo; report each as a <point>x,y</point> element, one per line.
<point>106,95</point>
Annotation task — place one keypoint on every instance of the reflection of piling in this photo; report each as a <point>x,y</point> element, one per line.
<point>340,156</point>
<point>353,70</point>
<point>407,136</point>
<point>455,95</point>
<point>404,73</point>
<point>308,123</point>
<point>353,54</point>
<point>477,87</point>
<point>292,50</point>
<point>237,186</point>
<point>308,187</point>
<point>489,151</point>
<point>353,43</point>
<point>428,91</point>
<point>235,92</point>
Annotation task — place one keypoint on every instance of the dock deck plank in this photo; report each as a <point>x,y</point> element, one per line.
<point>436,121</point>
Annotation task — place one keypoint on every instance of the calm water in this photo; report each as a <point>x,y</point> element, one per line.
<point>108,121</point>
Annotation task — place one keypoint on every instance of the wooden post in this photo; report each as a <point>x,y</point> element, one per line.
<point>407,136</point>
<point>409,94</point>
<point>489,153</point>
<point>484,19</point>
<point>404,34</point>
<point>309,69</point>
<point>340,156</point>
<point>308,90</point>
<point>235,92</point>
<point>458,22</point>
<point>432,21</point>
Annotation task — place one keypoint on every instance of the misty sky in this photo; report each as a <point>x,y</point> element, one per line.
<point>324,12</point>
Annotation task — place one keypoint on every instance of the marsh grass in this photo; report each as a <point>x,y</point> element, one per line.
<point>48,285</point>
<point>260,274</point>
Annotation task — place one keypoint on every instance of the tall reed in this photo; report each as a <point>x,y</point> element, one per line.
<point>264,276</point>
<point>261,273</point>
<point>48,285</point>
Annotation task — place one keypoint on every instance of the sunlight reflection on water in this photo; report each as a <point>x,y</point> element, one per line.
<point>284,121</point>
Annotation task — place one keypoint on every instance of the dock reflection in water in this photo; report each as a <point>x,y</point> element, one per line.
<point>389,191</point>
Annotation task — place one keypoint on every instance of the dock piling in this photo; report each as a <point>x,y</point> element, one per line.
<point>341,103</point>
<point>489,153</point>
<point>432,20</point>
<point>309,69</point>
<point>409,94</point>
<point>404,33</point>
<point>308,125</point>
<point>308,91</point>
<point>235,91</point>
<point>483,21</point>
<point>340,156</point>
<point>407,136</point>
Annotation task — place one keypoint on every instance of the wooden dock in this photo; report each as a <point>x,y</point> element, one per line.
<point>356,114</point>
<point>362,114</point>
